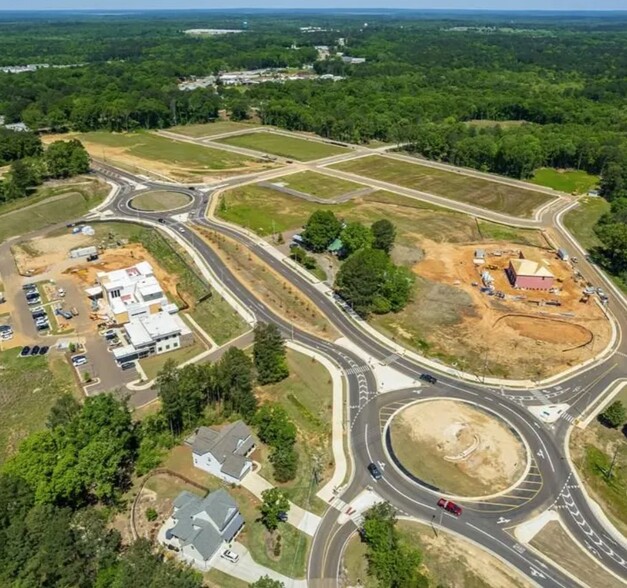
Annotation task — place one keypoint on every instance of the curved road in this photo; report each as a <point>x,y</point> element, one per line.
<point>550,481</point>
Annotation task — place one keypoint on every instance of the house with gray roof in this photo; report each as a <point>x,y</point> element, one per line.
<point>200,527</point>
<point>224,452</point>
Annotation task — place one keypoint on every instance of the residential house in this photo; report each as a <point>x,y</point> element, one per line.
<point>200,527</point>
<point>224,453</point>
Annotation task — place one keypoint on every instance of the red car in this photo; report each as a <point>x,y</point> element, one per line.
<point>450,506</point>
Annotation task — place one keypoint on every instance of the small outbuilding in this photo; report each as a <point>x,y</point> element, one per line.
<point>563,254</point>
<point>479,258</point>
<point>529,275</point>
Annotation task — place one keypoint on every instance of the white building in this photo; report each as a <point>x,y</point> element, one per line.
<point>153,334</point>
<point>131,293</point>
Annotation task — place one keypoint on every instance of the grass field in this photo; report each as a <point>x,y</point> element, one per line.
<point>446,560</point>
<point>317,185</point>
<point>153,364</point>
<point>218,318</point>
<point>307,397</point>
<point>284,146</point>
<point>571,181</point>
<point>28,389</point>
<point>217,579</point>
<point>210,129</point>
<point>580,221</point>
<point>496,232</point>
<point>160,200</point>
<point>455,186</point>
<point>50,205</point>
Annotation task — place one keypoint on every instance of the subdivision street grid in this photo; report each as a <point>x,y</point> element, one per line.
<point>380,378</point>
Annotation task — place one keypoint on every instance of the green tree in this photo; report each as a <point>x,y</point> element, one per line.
<point>614,415</point>
<point>384,235</point>
<point>269,354</point>
<point>267,582</point>
<point>63,411</point>
<point>234,383</point>
<point>284,462</point>
<point>321,230</point>
<point>273,503</point>
<point>274,426</point>
<point>355,236</point>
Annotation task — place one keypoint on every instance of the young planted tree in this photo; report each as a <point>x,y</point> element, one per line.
<point>269,354</point>
<point>274,502</point>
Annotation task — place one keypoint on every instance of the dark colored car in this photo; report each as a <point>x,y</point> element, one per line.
<point>128,365</point>
<point>92,257</point>
<point>44,350</point>
<point>375,472</point>
<point>161,220</point>
<point>450,506</point>
<point>43,327</point>
<point>34,350</point>
<point>25,351</point>
<point>28,286</point>
<point>282,516</point>
<point>428,378</point>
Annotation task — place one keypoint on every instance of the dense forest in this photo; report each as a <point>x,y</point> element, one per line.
<point>493,92</point>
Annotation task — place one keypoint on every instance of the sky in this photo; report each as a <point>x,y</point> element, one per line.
<point>109,5</point>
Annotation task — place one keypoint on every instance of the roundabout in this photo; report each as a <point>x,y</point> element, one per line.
<point>160,201</point>
<point>456,448</point>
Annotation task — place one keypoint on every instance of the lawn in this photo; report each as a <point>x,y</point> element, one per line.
<point>284,146</point>
<point>318,185</point>
<point>495,232</point>
<point>28,389</point>
<point>307,397</point>
<point>50,205</point>
<point>153,364</point>
<point>209,129</point>
<point>219,319</point>
<point>571,181</point>
<point>217,579</point>
<point>160,200</point>
<point>580,221</point>
<point>446,184</point>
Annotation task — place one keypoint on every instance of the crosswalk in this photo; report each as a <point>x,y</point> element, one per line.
<point>568,417</point>
<point>360,369</point>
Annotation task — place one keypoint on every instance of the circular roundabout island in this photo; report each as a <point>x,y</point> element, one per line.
<point>456,448</point>
<point>160,201</point>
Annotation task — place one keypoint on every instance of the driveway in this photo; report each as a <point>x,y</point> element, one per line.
<point>248,570</point>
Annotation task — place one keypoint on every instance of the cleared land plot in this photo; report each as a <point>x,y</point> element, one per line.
<point>580,221</point>
<point>317,185</point>
<point>556,544</point>
<point>455,186</point>
<point>307,397</point>
<point>457,448</point>
<point>209,129</point>
<point>160,200</point>
<point>50,205</point>
<point>447,561</point>
<point>284,146</point>
<point>294,545</point>
<point>488,123</point>
<point>572,181</point>
<point>593,449</point>
<point>158,155</point>
<point>29,386</point>
<point>219,319</point>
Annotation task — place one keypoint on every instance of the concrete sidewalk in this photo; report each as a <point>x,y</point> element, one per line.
<point>248,570</point>
<point>303,520</point>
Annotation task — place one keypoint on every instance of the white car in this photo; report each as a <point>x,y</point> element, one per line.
<point>61,292</point>
<point>79,360</point>
<point>230,556</point>
<point>181,230</point>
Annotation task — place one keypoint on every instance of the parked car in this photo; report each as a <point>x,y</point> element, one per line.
<point>428,378</point>
<point>79,360</point>
<point>450,506</point>
<point>25,351</point>
<point>74,311</point>
<point>44,350</point>
<point>41,320</point>
<point>230,556</point>
<point>31,295</point>
<point>282,516</point>
<point>6,329</point>
<point>43,326</point>
<point>65,314</point>
<point>61,292</point>
<point>128,365</point>
<point>39,315</point>
<point>92,257</point>
<point>375,472</point>
<point>29,286</point>
<point>34,301</point>
<point>34,350</point>
<point>38,309</point>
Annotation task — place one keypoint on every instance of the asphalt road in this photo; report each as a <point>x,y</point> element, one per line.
<point>485,522</point>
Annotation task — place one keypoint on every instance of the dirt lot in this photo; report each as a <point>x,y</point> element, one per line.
<point>556,544</point>
<point>517,336</point>
<point>457,448</point>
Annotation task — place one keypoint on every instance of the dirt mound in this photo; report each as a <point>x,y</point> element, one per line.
<point>457,448</point>
<point>547,330</point>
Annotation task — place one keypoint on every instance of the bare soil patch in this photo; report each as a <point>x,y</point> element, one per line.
<point>556,544</point>
<point>457,448</point>
<point>518,336</point>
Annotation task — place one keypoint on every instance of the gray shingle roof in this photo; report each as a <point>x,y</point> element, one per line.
<point>235,439</point>
<point>201,522</point>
